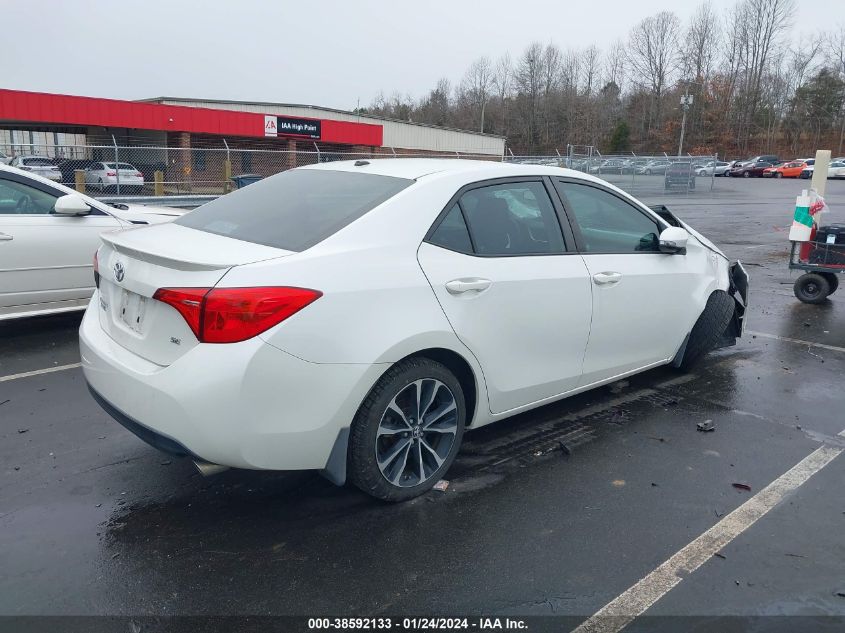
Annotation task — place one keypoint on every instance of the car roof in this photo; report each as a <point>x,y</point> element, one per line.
<point>415,168</point>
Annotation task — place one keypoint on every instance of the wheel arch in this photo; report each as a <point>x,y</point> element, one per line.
<point>462,370</point>
<point>471,382</point>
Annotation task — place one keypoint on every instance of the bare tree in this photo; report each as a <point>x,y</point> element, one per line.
<point>550,75</point>
<point>529,83</point>
<point>836,60</point>
<point>614,65</point>
<point>653,58</point>
<point>503,82</point>
<point>702,41</point>
<point>478,83</point>
<point>763,24</point>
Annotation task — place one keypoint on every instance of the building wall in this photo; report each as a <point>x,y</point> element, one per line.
<point>397,134</point>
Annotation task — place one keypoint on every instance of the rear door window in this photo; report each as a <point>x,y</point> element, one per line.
<point>452,232</point>
<point>296,209</point>
<point>512,219</point>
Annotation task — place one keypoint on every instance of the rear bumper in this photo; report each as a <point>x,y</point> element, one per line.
<point>244,405</point>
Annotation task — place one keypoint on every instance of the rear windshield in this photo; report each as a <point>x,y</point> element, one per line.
<point>296,209</point>
<point>38,162</point>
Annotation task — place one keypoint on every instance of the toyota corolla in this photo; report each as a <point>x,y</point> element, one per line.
<point>357,317</point>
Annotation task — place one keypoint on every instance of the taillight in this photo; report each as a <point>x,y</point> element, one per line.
<point>230,315</point>
<point>139,174</point>
<point>187,301</point>
<point>110,173</point>
<point>96,269</point>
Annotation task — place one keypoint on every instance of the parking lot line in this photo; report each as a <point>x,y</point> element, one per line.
<point>638,598</point>
<point>795,340</point>
<point>38,372</point>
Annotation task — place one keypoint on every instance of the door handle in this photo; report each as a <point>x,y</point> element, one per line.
<point>5,238</point>
<point>460,286</point>
<point>607,278</point>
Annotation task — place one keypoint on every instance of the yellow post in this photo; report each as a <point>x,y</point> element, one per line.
<point>227,174</point>
<point>158,184</point>
<point>820,169</point>
<point>79,180</point>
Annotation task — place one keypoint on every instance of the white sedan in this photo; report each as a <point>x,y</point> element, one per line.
<point>107,177</point>
<point>717,168</point>
<point>48,235</point>
<point>357,317</point>
<point>38,165</point>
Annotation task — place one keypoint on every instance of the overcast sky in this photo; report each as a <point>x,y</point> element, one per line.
<point>320,52</point>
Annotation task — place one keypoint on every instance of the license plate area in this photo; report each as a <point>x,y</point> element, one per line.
<point>132,310</point>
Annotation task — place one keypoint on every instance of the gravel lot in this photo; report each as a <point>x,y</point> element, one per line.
<point>94,522</point>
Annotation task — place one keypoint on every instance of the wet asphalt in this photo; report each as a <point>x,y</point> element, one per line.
<point>94,522</point>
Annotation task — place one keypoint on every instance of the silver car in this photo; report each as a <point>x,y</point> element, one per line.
<point>38,165</point>
<point>105,177</point>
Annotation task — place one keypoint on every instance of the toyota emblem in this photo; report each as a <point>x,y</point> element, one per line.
<point>119,272</point>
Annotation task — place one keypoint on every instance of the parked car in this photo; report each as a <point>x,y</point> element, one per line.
<point>714,168</point>
<point>609,166</point>
<point>763,158</point>
<point>69,166</point>
<point>631,165</point>
<point>48,235</point>
<point>654,167</point>
<point>749,170</point>
<point>39,165</point>
<point>337,316</point>
<point>105,177</point>
<point>791,169</point>
<point>680,173</point>
<point>834,170</point>
<point>4,159</point>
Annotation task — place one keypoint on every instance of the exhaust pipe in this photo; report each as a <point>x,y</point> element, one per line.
<point>207,469</point>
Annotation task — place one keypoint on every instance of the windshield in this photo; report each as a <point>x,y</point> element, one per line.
<point>38,162</point>
<point>296,209</point>
<point>121,166</point>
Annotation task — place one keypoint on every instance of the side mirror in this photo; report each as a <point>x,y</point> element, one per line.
<point>71,205</point>
<point>673,241</point>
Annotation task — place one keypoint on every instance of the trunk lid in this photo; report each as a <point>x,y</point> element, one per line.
<point>135,263</point>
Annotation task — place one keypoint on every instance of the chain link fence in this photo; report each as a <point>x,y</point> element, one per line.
<point>636,173</point>
<point>147,170</point>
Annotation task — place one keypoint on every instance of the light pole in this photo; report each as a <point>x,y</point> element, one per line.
<point>686,102</point>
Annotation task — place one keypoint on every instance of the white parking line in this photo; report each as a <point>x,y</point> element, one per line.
<point>795,340</point>
<point>635,601</point>
<point>38,372</point>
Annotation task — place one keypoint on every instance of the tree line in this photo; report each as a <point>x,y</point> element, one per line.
<point>755,87</point>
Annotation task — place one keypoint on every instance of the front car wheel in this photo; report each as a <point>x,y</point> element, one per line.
<point>407,431</point>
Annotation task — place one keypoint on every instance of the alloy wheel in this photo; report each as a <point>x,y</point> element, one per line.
<point>416,432</point>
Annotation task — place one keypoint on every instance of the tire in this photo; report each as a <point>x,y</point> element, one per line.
<point>812,288</point>
<point>745,174</point>
<point>778,174</point>
<point>648,172</point>
<point>395,392</point>
<point>708,329</point>
<point>833,279</point>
